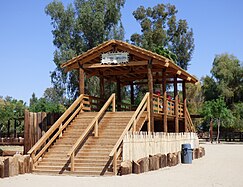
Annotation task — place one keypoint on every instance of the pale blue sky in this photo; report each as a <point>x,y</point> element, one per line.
<point>26,49</point>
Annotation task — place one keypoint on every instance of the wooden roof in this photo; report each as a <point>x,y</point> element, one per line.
<point>135,69</point>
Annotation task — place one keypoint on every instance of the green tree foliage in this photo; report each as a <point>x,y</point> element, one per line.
<point>11,109</point>
<point>209,88</point>
<point>226,80</point>
<point>194,101</point>
<point>228,74</point>
<point>48,103</point>
<point>76,28</point>
<point>225,83</point>
<point>161,29</point>
<point>216,110</point>
<point>238,114</point>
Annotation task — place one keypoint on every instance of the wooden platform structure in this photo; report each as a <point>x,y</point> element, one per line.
<point>85,142</point>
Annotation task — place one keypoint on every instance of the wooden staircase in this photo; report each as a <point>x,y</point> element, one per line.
<point>92,158</point>
<point>86,143</point>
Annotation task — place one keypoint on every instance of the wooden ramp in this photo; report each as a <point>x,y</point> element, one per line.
<point>92,158</point>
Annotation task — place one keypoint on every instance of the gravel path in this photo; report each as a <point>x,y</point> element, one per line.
<point>222,166</point>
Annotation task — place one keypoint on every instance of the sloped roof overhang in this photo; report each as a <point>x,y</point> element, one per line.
<point>135,69</point>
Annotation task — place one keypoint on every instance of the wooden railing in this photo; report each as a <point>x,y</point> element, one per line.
<point>96,103</point>
<point>93,126</point>
<point>124,106</point>
<point>190,125</point>
<point>158,103</point>
<point>116,151</point>
<point>81,104</point>
<point>158,106</point>
<point>171,107</point>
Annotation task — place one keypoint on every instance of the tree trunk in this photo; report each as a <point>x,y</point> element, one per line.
<point>218,131</point>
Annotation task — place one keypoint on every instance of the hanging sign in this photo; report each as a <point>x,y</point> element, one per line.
<point>114,58</point>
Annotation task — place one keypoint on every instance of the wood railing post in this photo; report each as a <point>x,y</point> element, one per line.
<point>185,116</point>
<point>165,112</point>
<point>115,163</point>
<point>176,105</point>
<point>96,129</point>
<point>176,115</point>
<point>114,104</point>
<point>59,129</point>
<point>72,162</point>
<point>149,116</point>
<point>164,100</point>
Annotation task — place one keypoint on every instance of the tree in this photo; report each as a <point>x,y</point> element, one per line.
<point>209,88</point>
<point>79,27</point>
<point>45,104</point>
<point>194,101</point>
<point>238,114</point>
<point>216,111</point>
<point>228,74</point>
<point>226,80</point>
<point>160,29</point>
<point>11,109</point>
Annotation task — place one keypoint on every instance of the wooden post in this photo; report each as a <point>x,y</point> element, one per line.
<point>72,162</point>
<point>150,87</point>
<point>118,87</point>
<point>164,99</point>
<point>114,104</point>
<point>81,81</point>
<point>184,102</point>
<point>102,91</point>
<point>26,131</point>
<point>176,105</point>
<point>96,129</point>
<point>132,93</point>
<point>102,87</point>
<point>115,163</point>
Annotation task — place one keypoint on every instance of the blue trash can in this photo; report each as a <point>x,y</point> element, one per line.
<point>186,154</point>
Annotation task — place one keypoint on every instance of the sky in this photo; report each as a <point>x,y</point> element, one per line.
<point>26,48</point>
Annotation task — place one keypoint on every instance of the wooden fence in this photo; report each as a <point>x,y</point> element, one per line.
<point>223,136</point>
<point>143,144</point>
<point>35,125</point>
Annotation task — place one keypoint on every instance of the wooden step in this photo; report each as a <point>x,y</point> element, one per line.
<point>79,173</point>
<point>93,156</point>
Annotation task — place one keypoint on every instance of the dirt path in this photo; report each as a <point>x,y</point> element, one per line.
<point>222,166</point>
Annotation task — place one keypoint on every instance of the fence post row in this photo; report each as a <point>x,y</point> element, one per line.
<point>35,126</point>
<point>138,145</point>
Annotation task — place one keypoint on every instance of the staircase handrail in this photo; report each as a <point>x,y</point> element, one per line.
<point>140,109</point>
<point>89,129</point>
<point>58,125</point>
<point>188,116</point>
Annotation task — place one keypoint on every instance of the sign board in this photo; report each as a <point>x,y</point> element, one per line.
<point>114,58</point>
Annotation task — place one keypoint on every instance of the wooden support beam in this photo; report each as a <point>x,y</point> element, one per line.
<point>118,88</point>
<point>102,87</point>
<point>164,100</point>
<point>131,63</point>
<point>150,87</point>
<point>26,131</point>
<point>132,93</point>
<point>184,103</point>
<point>81,81</point>
<point>176,105</point>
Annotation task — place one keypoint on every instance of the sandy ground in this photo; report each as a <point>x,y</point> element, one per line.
<point>222,166</point>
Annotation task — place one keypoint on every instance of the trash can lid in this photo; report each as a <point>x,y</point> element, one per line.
<point>186,146</point>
